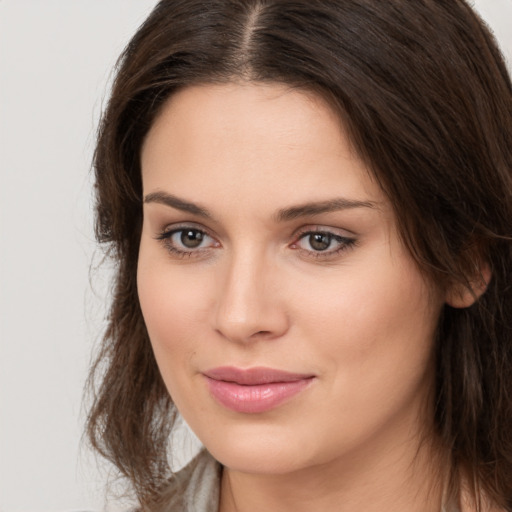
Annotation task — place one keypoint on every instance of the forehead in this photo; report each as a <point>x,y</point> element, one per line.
<point>252,140</point>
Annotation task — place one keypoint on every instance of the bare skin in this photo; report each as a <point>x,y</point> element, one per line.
<point>232,272</point>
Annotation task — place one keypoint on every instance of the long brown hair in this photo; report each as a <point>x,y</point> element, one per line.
<point>424,93</point>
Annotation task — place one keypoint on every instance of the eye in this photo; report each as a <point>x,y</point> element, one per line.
<point>318,241</point>
<point>322,243</point>
<point>187,241</point>
<point>189,238</point>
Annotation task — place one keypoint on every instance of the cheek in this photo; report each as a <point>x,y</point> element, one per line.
<point>174,308</point>
<point>378,321</point>
<point>374,334</point>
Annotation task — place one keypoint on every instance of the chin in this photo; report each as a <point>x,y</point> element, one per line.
<point>263,452</point>
<point>258,461</point>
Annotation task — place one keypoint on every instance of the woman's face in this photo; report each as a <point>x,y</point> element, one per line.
<point>291,326</point>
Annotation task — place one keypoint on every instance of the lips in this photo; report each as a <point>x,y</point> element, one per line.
<point>254,390</point>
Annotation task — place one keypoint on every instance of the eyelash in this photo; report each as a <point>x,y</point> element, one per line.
<point>166,239</point>
<point>344,242</point>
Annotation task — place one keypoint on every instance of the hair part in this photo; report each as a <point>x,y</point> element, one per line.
<point>424,95</point>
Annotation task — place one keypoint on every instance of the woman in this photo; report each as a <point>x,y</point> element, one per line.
<point>310,206</point>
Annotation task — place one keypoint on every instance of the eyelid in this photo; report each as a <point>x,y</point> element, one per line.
<point>320,228</point>
<point>172,228</point>
<point>339,235</point>
<point>165,236</point>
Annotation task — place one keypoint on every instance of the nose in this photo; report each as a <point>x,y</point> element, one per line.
<point>250,304</point>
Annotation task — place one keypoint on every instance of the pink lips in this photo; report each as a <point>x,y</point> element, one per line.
<point>254,390</point>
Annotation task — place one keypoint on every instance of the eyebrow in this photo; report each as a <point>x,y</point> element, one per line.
<point>314,208</point>
<point>283,215</point>
<point>177,203</point>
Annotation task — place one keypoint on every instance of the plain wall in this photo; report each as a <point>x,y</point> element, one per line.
<point>55,62</point>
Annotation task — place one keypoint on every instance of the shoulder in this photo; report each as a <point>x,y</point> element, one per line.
<point>195,488</point>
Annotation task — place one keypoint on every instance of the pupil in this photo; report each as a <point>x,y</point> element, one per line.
<point>191,238</point>
<point>320,241</point>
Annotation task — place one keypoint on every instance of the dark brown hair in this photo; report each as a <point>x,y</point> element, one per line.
<point>425,96</point>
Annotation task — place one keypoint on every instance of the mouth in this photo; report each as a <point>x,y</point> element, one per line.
<point>254,390</point>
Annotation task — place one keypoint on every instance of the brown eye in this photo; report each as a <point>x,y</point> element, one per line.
<point>187,241</point>
<point>320,241</point>
<point>191,238</point>
<point>323,243</point>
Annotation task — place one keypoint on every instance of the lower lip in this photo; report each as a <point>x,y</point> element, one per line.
<point>256,398</point>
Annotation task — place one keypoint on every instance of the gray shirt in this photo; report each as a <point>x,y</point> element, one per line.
<point>195,488</point>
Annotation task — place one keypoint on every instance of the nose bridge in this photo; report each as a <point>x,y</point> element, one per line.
<point>247,305</point>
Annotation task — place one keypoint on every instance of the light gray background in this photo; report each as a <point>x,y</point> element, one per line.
<point>55,62</point>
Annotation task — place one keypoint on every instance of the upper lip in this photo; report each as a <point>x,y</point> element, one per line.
<point>254,376</point>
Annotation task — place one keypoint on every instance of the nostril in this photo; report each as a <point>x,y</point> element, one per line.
<point>262,333</point>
